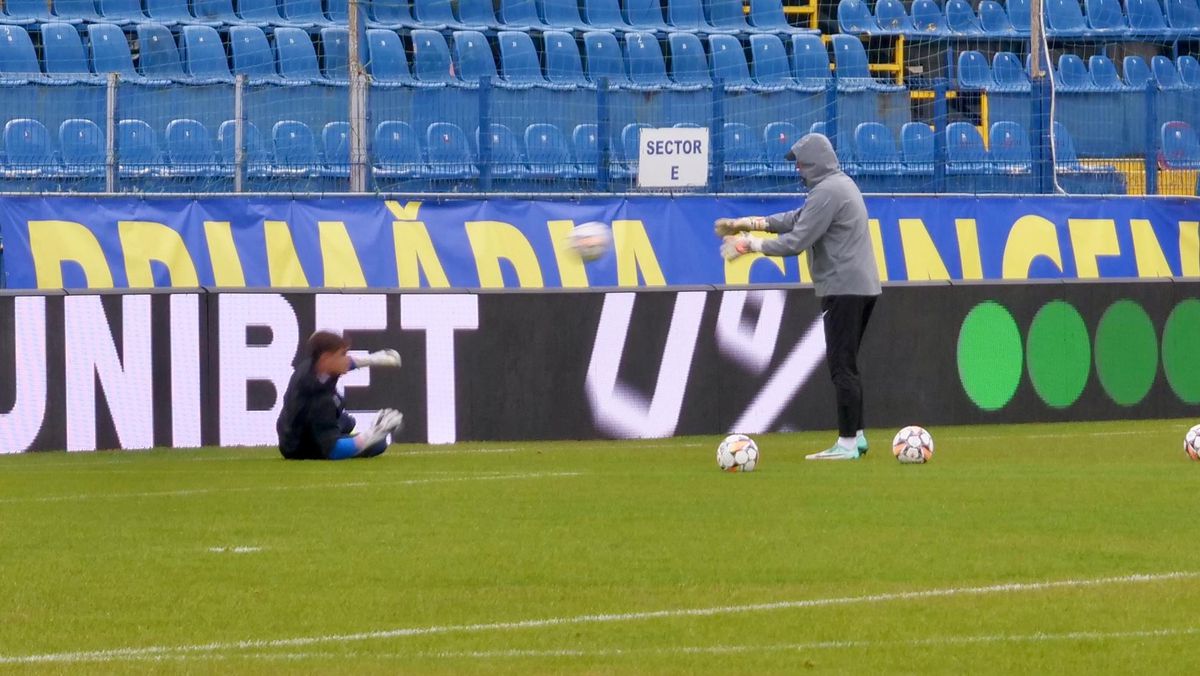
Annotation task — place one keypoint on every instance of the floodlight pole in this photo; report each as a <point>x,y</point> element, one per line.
<point>358,105</point>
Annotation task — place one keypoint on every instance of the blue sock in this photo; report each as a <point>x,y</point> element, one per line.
<point>344,448</point>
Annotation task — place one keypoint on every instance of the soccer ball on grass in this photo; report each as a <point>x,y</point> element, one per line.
<point>1191,443</point>
<point>737,453</point>
<point>913,445</point>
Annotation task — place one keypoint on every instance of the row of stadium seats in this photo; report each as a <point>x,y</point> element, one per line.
<point>200,58</point>
<point>713,16</point>
<point>1144,19</point>
<point>1099,75</point>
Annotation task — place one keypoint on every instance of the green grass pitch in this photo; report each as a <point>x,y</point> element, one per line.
<point>1019,549</point>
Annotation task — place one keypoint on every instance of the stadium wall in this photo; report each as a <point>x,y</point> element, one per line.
<point>79,242</point>
<point>85,371</point>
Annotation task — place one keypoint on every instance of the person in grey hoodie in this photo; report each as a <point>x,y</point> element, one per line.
<point>832,226</point>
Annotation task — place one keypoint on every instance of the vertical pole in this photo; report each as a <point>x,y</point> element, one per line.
<point>716,140</point>
<point>1151,141</point>
<point>831,111</point>
<point>1042,104</point>
<point>358,105</point>
<point>3,275</point>
<point>239,133</point>
<point>485,134</point>
<point>602,135</point>
<point>940,114</point>
<point>110,133</point>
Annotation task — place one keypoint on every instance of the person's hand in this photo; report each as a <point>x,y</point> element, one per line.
<point>724,227</point>
<point>740,245</point>
<point>381,358</point>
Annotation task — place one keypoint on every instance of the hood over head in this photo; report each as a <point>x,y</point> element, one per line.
<point>815,157</point>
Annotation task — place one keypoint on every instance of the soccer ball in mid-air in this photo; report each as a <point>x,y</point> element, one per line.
<point>1191,443</point>
<point>591,240</point>
<point>913,445</point>
<point>737,453</point>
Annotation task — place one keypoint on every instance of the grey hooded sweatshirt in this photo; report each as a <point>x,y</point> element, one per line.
<point>832,223</point>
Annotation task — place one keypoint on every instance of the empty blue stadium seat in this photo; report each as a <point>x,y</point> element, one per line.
<point>688,15</point>
<point>1073,75</point>
<point>728,15</point>
<point>778,139</point>
<point>335,54</point>
<point>137,149</point>
<point>508,161</point>
<point>1106,16</point>
<point>1009,74</point>
<point>62,53</point>
<point>436,13</point>
<point>563,64</point>
<point>520,15</point>
<point>122,12</point>
<point>297,57</point>
<point>994,20</point>
<point>263,13</point>
<point>627,156</point>
<point>110,53</point>
<point>688,63</point>
<point>1180,148</point>
<point>18,61</point>
<point>928,19</point>
<point>257,158</point>
<point>25,12</point>
<point>1064,18</point>
<point>728,62</point>
<point>647,69</point>
<point>335,147</point>
<point>295,149</point>
<point>841,146</point>
<point>387,62</point>
<point>473,56</point>
<point>1008,148</point>
<point>892,17</point>
<point>28,152</point>
<point>1137,73</point>
<point>519,61</point>
<point>253,56</point>
<point>965,152</point>
<point>431,58</point>
<point>1146,18</point>
<point>547,153</point>
<point>875,149</point>
<point>172,12</point>
<point>303,13</point>
<point>1183,15</point>
<point>743,151</point>
<point>190,149</point>
<point>1077,179</point>
<point>810,63</point>
<point>448,152</point>
<point>1104,74</point>
<point>1189,71</point>
<point>338,11</point>
<point>855,17</point>
<point>76,11</point>
<point>974,73</point>
<point>960,18</point>
<point>1018,15</point>
<point>767,15</point>
<point>478,13</point>
<point>604,15</point>
<point>604,59</point>
<point>563,15</point>
<point>1065,157</point>
<point>1165,73</point>
<point>769,62</point>
<point>81,143</point>
<point>851,60</point>
<point>390,14</point>
<point>204,56</point>
<point>645,15</point>
<point>585,147</point>
<point>159,55</point>
<point>917,147</point>
<point>396,151</point>
<point>215,12</point>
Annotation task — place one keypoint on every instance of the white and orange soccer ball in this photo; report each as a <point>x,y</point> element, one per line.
<point>591,240</point>
<point>737,453</point>
<point>1191,443</point>
<point>913,445</point>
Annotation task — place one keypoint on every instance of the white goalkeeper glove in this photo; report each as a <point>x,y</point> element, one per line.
<point>380,358</point>
<point>732,247</point>
<point>387,421</point>
<point>725,227</point>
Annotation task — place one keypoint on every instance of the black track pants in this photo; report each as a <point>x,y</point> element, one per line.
<point>846,320</point>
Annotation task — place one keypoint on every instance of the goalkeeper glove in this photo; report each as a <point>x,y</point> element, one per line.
<point>725,227</point>
<point>387,421</point>
<point>732,247</point>
<point>380,358</point>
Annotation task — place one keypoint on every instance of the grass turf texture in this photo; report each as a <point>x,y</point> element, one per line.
<point>128,550</point>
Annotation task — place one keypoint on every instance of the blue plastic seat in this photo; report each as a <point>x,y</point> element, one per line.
<point>173,12</point>
<point>647,68</point>
<point>1008,148</point>
<point>1183,15</point>
<point>1180,148</point>
<point>63,55</point>
<point>563,15</point>
<point>338,12</point>
<point>585,147</point>
<point>387,62</point>
<point>474,59</point>
<point>295,150</point>
<point>431,58</point>
<point>645,15</point>
<point>253,56</point>
<point>26,12</point>
<point>604,15</point>
<point>28,152</point>
<point>728,15</point>
<point>994,20</point>
<point>1018,15</point>
<point>917,147</point>
<point>297,57</point>
<point>769,62</point>
<point>204,56</point>
<point>478,14</point>
<point>810,63</point>
<point>727,60</point>
<point>965,152</point>
<point>18,61</point>
<point>928,19</point>
<point>81,143</point>
<point>389,14</point>
<point>604,59</point>
<point>1009,74</point>
<point>396,152</point>
<point>159,55</point>
<point>974,73</point>
<point>520,15</point>
<point>215,11</point>
<point>1065,158</point>
<point>842,147</point>
<point>519,63</point>
<point>77,11</point>
<point>1106,16</point>
<point>109,52</point>
<point>547,153</point>
<point>335,149</point>
<point>778,139</point>
<point>335,54</point>
<point>303,13</point>
<point>257,157</point>
<point>1146,18</point>
<point>1064,18</point>
<point>428,13</point>
<point>1166,74</point>
<point>960,18</point>
<point>1073,75</point>
<point>892,18</point>
<point>626,159</point>
<point>137,149</point>
<point>448,152</point>
<point>507,160</point>
<point>190,149</point>
<point>1104,74</point>
<point>875,149</point>
<point>688,15</point>
<point>853,73</point>
<point>1137,73</point>
<point>563,64</point>
<point>855,17</point>
<point>767,15</point>
<point>1189,71</point>
<point>743,151</point>
<point>122,12</point>
<point>688,63</point>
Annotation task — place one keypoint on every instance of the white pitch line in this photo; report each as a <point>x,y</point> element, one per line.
<point>1048,435</point>
<point>256,489</point>
<point>118,654</point>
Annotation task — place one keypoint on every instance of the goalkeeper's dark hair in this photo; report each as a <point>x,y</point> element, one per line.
<point>324,342</point>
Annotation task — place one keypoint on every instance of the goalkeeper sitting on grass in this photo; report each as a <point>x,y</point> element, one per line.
<point>313,424</point>
<point>832,225</point>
